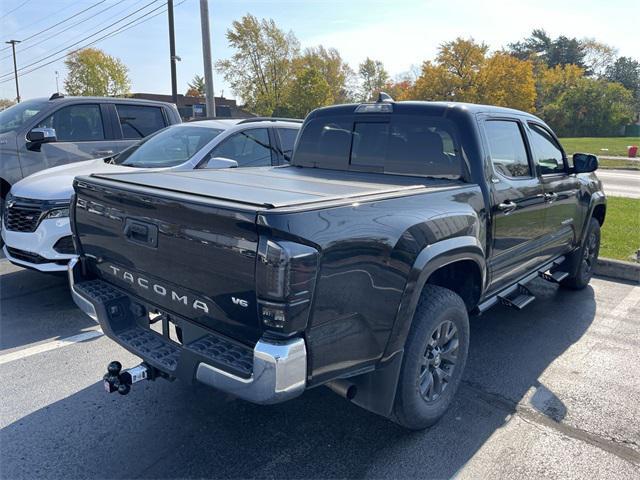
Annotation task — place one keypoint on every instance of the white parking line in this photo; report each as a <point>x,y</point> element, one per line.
<point>45,347</point>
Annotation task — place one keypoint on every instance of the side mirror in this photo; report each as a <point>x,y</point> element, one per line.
<point>42,135</point>
<point>584,163</point>
<point>221,162</point>
<point>38,136</point>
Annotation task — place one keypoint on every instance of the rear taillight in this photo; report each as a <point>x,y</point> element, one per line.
<point>285,278</point>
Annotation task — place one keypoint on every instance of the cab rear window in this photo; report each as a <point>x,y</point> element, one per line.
<point>406,145</point>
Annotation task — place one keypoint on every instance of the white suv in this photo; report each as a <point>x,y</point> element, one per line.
<point>35,224</point>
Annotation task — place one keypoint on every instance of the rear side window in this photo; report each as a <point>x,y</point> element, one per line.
<point>250,148</point>
<point>406,145</point>
<point>287,141</point>
<point>139,121</point>
<point>546,152</point>
<point>506,148</point>
<point>76,123</point>
<point>325,142</point>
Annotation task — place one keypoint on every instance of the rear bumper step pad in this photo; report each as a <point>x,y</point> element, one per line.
<point>271,372</point>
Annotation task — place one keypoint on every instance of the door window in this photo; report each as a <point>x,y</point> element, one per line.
<point>287,141</point>
<point>139,121</point>
<point>76,123</point>
<point>250,148</point>
<point>546,152</point>
<point>506,148</point>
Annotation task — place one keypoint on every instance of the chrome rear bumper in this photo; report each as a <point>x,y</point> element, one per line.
<point>278,373</point>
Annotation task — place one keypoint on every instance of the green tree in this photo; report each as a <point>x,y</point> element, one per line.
<point>92,72</point>
<point>261,68</point>
<point>540,47</point>
<point>592,107</point>
<point>373,76</point>
<point>626,71</point>
<point>308,91</point>
<point>337,73</point>
<point>196,87</point>
<point>552,83</point>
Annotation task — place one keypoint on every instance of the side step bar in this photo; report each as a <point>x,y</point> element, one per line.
<point>553,275</point>
<point>518,299</point>
<point>518,295</point>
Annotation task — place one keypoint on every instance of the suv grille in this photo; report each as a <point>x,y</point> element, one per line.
<point>21,215</point>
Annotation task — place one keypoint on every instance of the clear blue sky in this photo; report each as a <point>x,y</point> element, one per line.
<point>400,33</point>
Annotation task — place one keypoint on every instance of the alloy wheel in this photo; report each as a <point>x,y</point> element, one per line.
<point>439,361</point>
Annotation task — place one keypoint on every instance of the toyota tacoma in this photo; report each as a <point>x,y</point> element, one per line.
<point>357,266</point>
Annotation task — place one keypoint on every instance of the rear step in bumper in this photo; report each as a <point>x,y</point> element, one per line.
<point>274,372</point>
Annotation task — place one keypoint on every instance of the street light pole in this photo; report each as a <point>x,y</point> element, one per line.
<point>15,66</point>
<point>172,52</point>
<point>206,57</point>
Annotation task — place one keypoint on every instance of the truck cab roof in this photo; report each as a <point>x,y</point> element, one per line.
<point>416,107</point>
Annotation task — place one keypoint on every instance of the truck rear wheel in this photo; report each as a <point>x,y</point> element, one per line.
<point>586,257</point>
<point>434,359</point>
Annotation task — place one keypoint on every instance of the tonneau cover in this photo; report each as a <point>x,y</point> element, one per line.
<point>274,187</point>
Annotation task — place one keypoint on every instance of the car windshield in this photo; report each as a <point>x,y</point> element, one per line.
<point>16,116</point>
<point>167,148</point>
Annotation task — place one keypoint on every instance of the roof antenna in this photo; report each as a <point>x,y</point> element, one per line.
<point>384,97</point>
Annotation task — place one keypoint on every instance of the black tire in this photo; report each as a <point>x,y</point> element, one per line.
<point>585,259</point>
<point>418,403</point>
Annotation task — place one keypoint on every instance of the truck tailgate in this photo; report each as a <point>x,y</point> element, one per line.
<point>187,258</point>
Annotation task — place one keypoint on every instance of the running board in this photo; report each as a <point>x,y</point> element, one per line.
<point>518,295</point>
<point>554,277</point>
<point>518,299</point>
<point>552,274</point>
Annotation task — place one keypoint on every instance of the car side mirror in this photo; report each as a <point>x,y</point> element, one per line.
<point>221,162</point>
<point>38,136</point>
<point>584,163</point>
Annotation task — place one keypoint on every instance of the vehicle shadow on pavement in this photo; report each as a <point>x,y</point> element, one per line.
<point>169,430</point>
<point>24,295</point>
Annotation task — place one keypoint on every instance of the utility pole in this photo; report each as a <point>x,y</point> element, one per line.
<point>15,67</point>
<point>206,57</point>
<point>172,52</point>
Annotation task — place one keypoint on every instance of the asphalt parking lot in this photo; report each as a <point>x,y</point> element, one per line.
<point>552,391</point>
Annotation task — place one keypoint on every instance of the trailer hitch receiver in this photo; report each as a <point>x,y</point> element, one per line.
<point>118,380</point>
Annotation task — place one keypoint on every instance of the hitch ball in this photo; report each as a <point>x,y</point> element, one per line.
<point>118,380</point>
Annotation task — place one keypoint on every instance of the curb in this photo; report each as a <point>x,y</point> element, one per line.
<point>618,270</point>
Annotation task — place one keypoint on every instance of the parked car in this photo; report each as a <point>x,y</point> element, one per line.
<point>355,267</point>
<point>36,221</point>
<point>43,133</point>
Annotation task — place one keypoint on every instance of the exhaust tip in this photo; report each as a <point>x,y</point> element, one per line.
<point>344,388</point>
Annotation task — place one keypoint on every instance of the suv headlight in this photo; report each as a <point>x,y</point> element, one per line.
<point>58,213</point>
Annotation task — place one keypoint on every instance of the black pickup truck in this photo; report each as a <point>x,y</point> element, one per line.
<point>356,267</point>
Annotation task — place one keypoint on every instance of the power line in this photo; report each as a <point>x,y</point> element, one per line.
<point>85,38</point>
<point>11,11</point>
<point>55,34</point>
<point>44,19</point>
<point>63,21</point>
<point>123,28</point>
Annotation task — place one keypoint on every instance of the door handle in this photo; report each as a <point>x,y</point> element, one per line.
<point>102,153</point>
<point>550,197</point>
<point>507,207</point>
